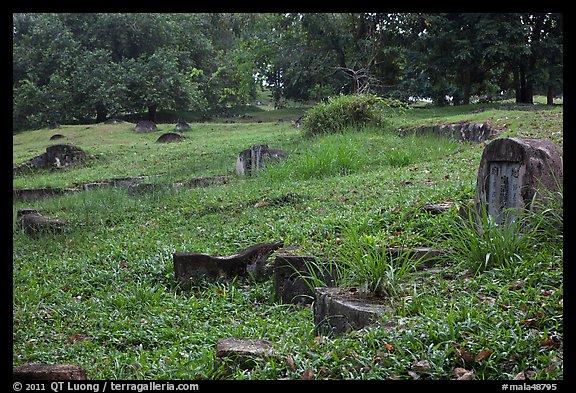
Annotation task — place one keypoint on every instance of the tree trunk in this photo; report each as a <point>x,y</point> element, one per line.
<point>152,113</point>
<point>101,113</point>
<point>550,95</point>
<point>467,87</point>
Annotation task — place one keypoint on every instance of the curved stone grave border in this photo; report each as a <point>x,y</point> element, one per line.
<point>133,184</point>
<point>169,137</point>
<point>464,132</point>
<point>190,267</point>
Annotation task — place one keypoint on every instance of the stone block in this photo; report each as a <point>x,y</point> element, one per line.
<point>255,158</point>
<point>341,310</point>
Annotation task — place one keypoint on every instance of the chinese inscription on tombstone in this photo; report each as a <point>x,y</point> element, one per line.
<point>511,173</point>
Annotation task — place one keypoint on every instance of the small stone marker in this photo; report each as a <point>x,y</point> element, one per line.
<point>255,158</point>
<point>55,372</point>
<point>244,352</point>
<point>512,171</point>
<point>56,157</point>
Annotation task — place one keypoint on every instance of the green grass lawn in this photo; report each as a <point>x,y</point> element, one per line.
<point>103,295</point>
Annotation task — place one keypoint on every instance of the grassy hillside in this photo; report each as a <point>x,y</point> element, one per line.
<point>103,295</point>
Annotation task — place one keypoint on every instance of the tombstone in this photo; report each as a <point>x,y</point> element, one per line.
<point>145,126</point>
<point>255,158</point>
<point>57,136</point>
<point>48,372</point>
<point>170,137</point>
<point>512,171</point>
<point>182,126</point>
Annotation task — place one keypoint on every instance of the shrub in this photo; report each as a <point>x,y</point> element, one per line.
<point>345,111</point>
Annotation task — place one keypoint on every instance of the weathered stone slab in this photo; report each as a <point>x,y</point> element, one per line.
<point>244,352</point>
<point>255,158</point>
<point>511,173</point>
<point>341,310</point>
<point>294,278</point>
<point>191,266</point>
<point>54,372</point>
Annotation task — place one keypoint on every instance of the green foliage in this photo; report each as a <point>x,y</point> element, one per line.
<point>346,111</point>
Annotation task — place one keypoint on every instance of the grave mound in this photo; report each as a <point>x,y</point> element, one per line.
<point>145,126</point>
<point>182,126</point>
<point>56,157</point>
<point>170,137</point>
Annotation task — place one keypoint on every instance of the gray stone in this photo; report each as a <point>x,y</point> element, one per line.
<point>192,266</point>
<point>341,310</point>
<point>54,372</point>
<point>513,173</point>
<point>255,158</point>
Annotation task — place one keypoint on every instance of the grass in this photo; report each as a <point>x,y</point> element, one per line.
<point>103,295</point>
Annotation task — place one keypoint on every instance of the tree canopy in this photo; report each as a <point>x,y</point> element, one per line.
<point>88,67</point>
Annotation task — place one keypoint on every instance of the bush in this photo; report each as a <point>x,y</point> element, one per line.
<point>344,111</point>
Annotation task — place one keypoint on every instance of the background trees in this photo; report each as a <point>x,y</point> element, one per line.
<point>88,67</point>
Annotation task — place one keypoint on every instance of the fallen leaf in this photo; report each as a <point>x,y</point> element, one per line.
<point>421,366</point>
<point>388,346</point>
<point>290,363</point>
<point>413,375</point>
<point>464,355</point>
<point>308,374</point>
<point>262,204</point>
<point>483,355</point>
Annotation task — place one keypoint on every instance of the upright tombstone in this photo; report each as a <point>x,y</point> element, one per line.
<point>512,172</point>
<point>255,158</point>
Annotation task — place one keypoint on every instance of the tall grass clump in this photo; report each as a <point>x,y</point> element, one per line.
<point>332,155</point>
<point>343,111</point>
<point>480,242</point>
<point>364,263</point>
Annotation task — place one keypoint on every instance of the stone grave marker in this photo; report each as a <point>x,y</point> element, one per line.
<point>145,126</point>
<point>255,158</point>
<point>512,171</point>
